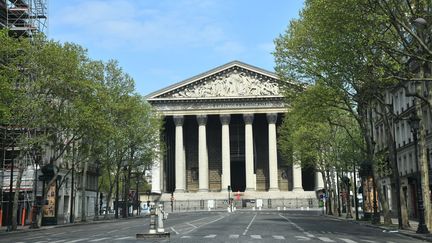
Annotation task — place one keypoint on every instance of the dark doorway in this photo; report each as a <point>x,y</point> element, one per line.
<point>238,176</point>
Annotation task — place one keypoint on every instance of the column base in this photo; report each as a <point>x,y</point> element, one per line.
<point>179,191</point>
<point>298,189</point>
<point>203,190</point>
<point>274,190</point>
<point>156,191</point>
<point>250,190</point>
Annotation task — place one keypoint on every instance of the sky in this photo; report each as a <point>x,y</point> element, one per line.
<point>162,42</point>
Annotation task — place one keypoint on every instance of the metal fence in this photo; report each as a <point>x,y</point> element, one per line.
<point>218,204</point>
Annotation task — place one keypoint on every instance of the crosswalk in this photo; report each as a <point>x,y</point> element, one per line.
<point>297,238</point>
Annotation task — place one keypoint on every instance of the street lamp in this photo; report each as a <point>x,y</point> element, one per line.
<point>414,122</point>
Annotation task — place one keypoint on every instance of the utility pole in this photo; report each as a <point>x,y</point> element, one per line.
<point>72,211</point>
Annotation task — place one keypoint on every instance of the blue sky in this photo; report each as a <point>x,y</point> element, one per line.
<point>161,42</point>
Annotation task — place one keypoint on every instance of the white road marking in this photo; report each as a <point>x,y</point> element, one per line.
<point>58,241</point>
<point>370,241</point>
<point>210,236</point>
<point>174,230</point>
<point>300,237</point>
<point>32,238</point>
<point>325,239</point>
<point>347,240</point>
<point>61,233</point>
<point>41,241</point>
<point>185,237</point>
<point>204,224</point>
<point>83,239</point>
<point>100,239</point>
<point>125,238</point>
<point>256,236</point>
<point>234,236</point>
<point>250,223</point>
<point>191,225</point>
<point>112,231</point>
<point>278,237</point>
<point>309,234</point>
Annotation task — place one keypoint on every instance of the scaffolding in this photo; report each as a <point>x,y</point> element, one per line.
<point>10,153</point>
<point>24,17</point>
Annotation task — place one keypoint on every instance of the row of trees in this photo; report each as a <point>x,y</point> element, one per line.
<point>347,55</point>
<point>72,112</point>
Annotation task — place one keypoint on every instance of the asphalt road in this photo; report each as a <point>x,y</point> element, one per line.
<point>240,226</point>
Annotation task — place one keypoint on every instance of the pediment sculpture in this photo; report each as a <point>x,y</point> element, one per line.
<point>232,84</point>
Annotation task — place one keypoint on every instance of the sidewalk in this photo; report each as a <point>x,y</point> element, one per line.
<point>90,220</point>
<point>411,232</point>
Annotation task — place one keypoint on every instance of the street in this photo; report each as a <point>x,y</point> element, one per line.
<point>240,226</point>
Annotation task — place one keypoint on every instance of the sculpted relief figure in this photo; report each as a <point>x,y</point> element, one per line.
<point>233,84</point>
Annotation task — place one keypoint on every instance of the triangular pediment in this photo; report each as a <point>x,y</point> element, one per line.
<point>232,80</point>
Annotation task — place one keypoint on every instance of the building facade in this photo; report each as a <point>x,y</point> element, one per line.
<point>220,131</point>
<point>403,108</point>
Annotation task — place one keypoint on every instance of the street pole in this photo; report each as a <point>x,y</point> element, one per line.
<point>229,198</point>
<point>138,206</point>
<point>422,227</point>
<point>355,195</point>
<point>338,194</point>
<point>72,213</point>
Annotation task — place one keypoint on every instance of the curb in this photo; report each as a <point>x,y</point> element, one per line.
<point>403,232</point>
<point>69,225</point>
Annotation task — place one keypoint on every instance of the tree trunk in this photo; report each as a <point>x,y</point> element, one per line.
<point>423,162</point>
<point>83,192</point>
<point>16,195</point>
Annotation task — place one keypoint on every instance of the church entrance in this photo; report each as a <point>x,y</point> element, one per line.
<point>238,176</point>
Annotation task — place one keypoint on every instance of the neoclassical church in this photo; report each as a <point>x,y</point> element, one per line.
<point>220,131</point>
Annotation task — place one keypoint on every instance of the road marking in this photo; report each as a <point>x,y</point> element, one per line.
<point>61,233</point>
<point>325,239</point>
<point>309,234</point>
<point>300,237</point>
<point>278,237</point>
<point>347,240</point>
<point>370,241</point>
<point>256,237</point>
<point>125,238</point>
<point>210,236</point>
<point>185,237</point>
<point>100,239</point>
<point>234,236</point>
<point>172,228</point>
<point>112,231</point>
<point>83,239</point>
<point>191,225</point>
<point>204,225</point>
<point>58,241</point>
<point>247,228</point>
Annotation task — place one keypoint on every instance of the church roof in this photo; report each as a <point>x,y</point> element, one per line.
<point>234,79</point>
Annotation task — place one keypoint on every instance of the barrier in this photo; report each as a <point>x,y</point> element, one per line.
<point>156,232</point>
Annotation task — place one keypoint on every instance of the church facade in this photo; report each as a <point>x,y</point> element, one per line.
<point>220,132</point>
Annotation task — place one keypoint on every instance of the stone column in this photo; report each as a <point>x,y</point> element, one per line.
<point>273,167</point>
<point>180,166</point>
<point>249,155</point>
<point>202,154</point>
<point>156,182</point>
<point>226,159</point>
<point>319,182</point>
<point>297,178</point>
<point>157,171</point>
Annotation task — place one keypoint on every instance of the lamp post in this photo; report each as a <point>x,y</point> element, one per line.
<point>414,122</point>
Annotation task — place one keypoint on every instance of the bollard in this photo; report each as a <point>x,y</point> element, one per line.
<point>278,208</point>
<point>259,208</point>
<point>253,208</point>
<point>284,208</point>
<point>307,208</point>
<point>301,208</point>
<point>152,229</point>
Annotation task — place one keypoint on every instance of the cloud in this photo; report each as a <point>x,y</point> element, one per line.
<point>133,24</point>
